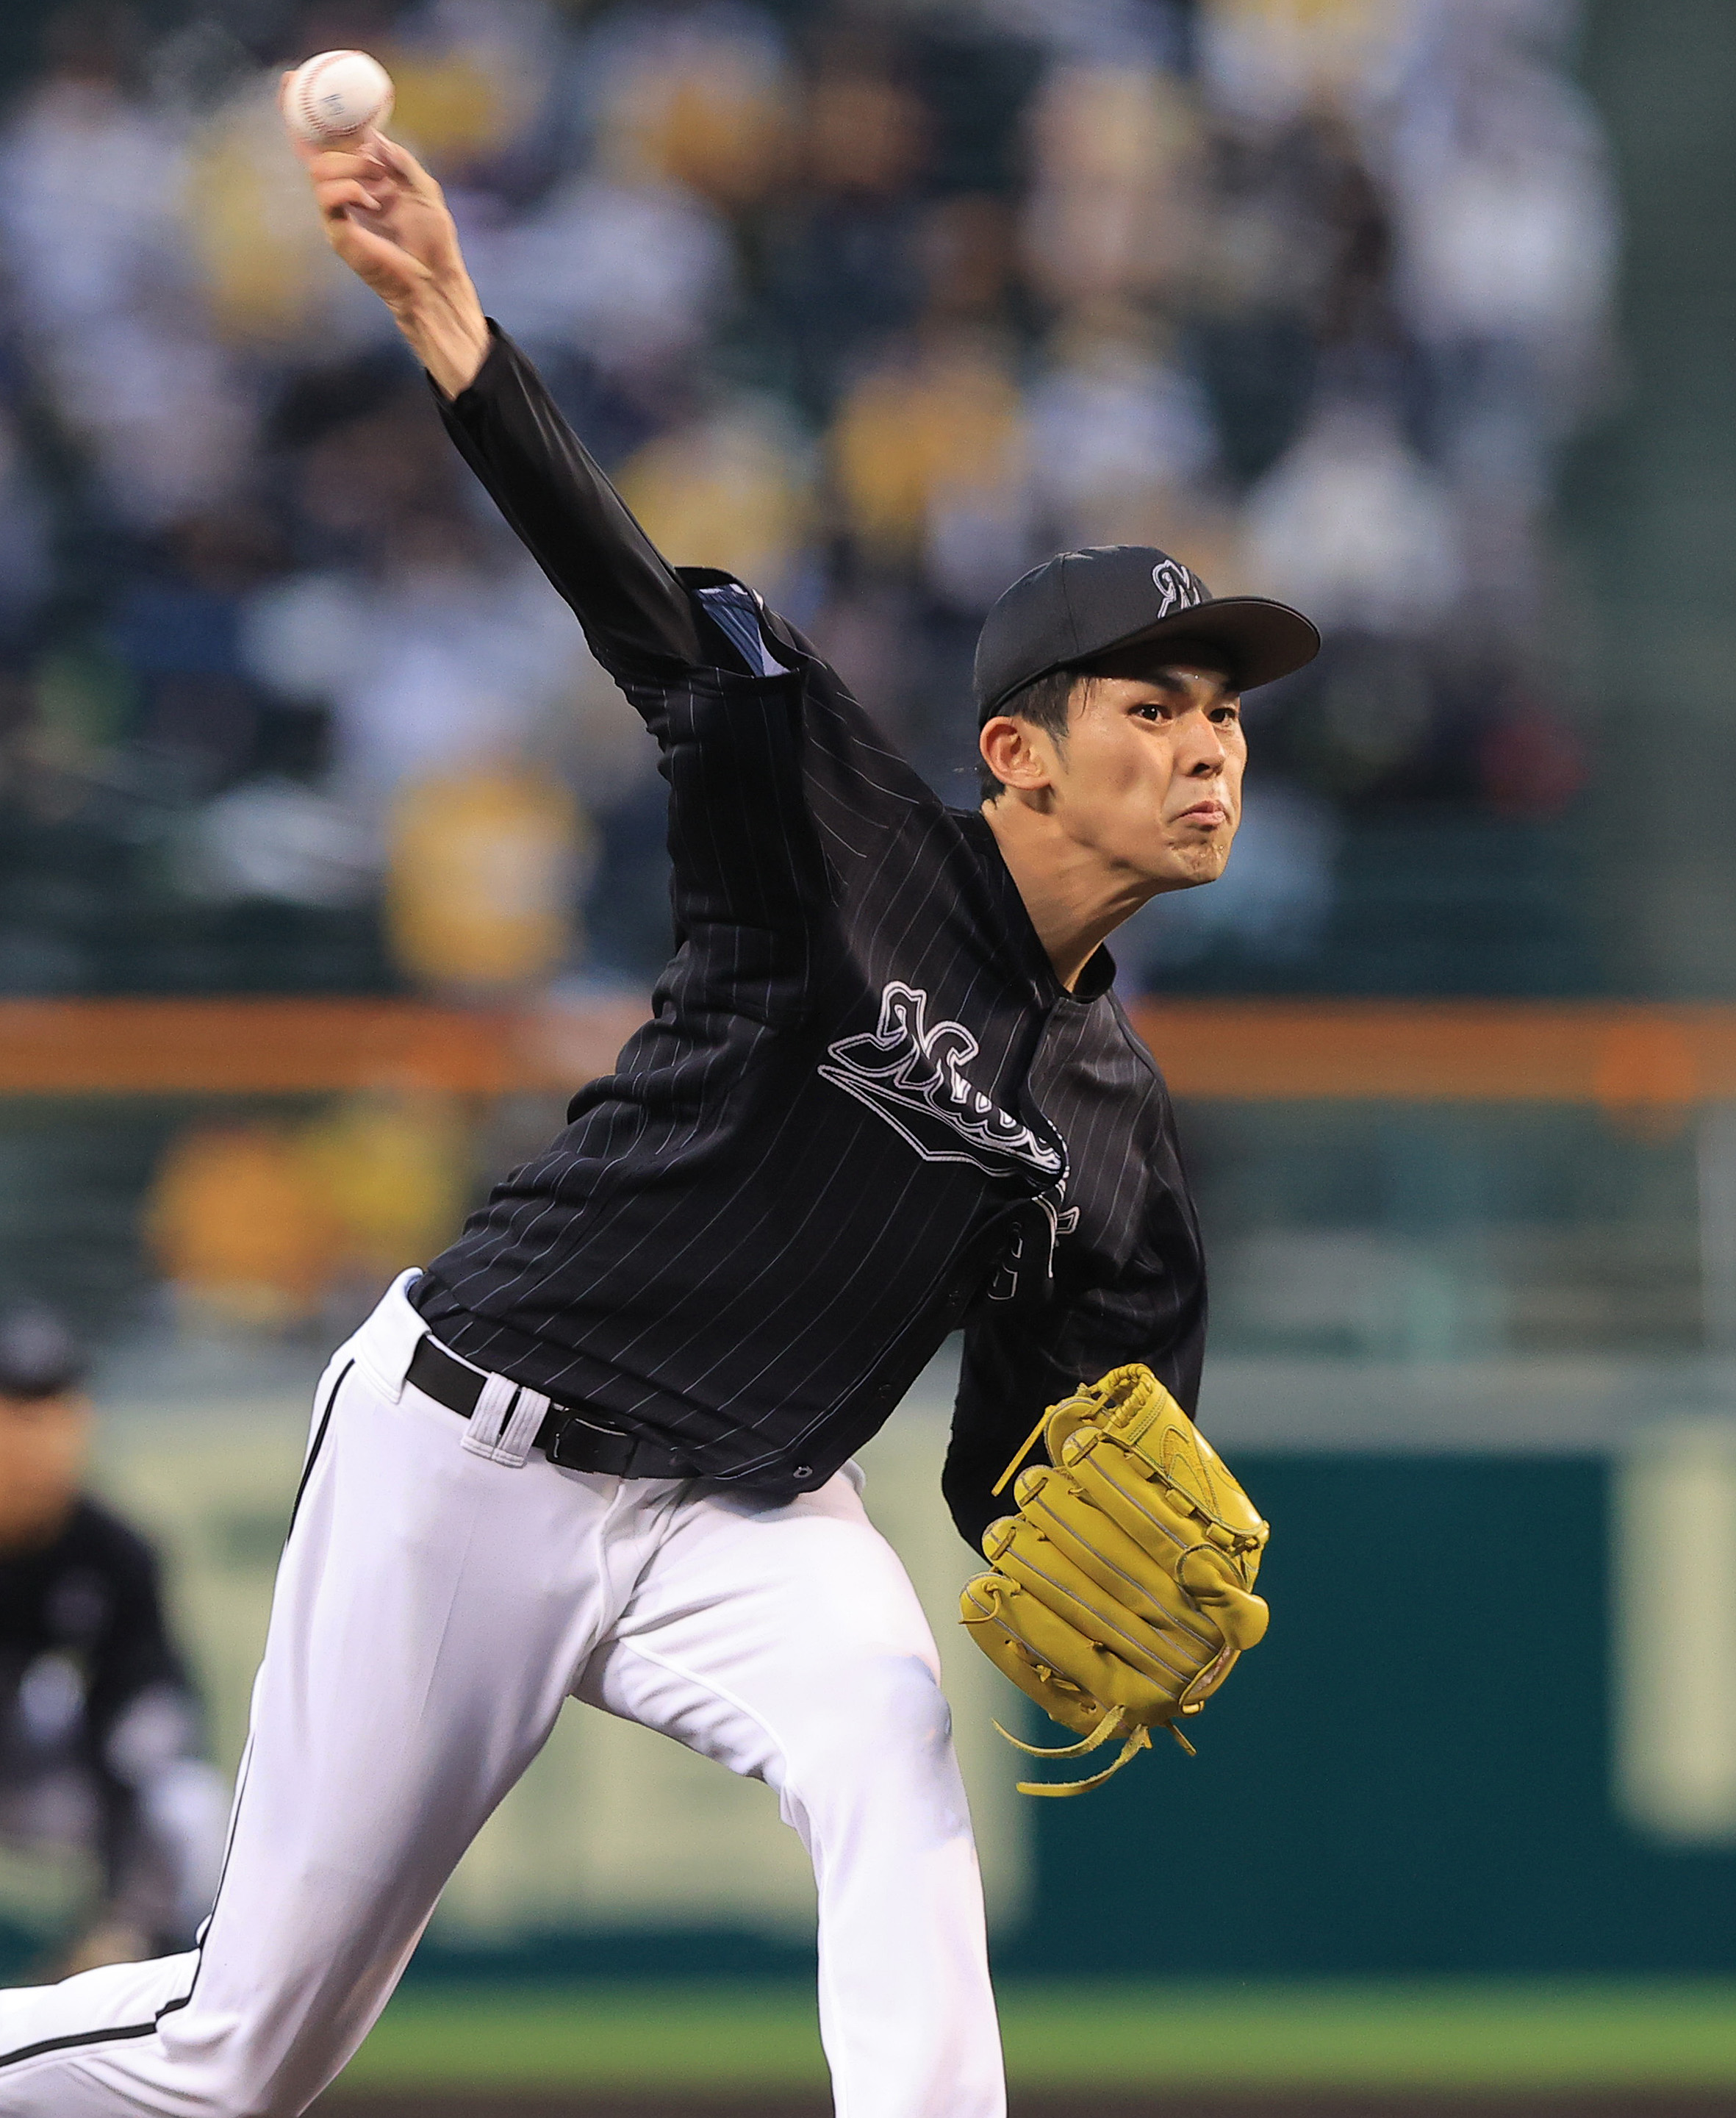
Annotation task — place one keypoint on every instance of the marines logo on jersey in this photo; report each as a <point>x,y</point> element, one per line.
<point>912,1075</point>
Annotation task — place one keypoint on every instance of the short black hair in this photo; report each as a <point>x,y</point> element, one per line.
<point>1045,702</point>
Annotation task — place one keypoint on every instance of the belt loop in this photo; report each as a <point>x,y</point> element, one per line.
<point>504,1426</point>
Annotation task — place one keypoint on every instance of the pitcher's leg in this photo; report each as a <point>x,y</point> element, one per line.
<point>430,1611</point>
<point>789,1644</point>
<point>119,1999</point>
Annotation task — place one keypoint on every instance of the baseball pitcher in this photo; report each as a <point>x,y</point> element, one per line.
<point>602,1447</point>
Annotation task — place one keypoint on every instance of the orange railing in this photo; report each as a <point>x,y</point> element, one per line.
<point>1620,1057</point>
<point>286,1047</point>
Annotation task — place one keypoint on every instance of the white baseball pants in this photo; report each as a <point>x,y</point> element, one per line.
<point>434,1609</point>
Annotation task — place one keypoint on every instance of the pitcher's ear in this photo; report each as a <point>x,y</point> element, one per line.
<point>1017,754</point>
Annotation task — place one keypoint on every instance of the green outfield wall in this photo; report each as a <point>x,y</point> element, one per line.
<point>1420,1773</point>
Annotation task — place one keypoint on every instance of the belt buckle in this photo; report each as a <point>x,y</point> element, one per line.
<point>574,1424</point>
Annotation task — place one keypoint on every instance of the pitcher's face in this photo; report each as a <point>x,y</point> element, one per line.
<point>1149,776</point>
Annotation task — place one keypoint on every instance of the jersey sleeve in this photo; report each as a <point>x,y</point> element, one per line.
<point>639,617</point>
<point>1019,1362</point>
<point>778,781</point>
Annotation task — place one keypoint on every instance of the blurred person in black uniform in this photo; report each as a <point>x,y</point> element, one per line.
<point>98,1725</point>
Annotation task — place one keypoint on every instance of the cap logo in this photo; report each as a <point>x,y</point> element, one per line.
<point>1177,589</point>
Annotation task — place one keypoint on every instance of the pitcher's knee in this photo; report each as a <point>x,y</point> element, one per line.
<point>239,2069</point>
<point>881,1723</point>
<point>913,1708</point>
<point>896,1699</point>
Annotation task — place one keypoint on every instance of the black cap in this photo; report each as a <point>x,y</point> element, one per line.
<point>39,1356</point>
<point>1081,604</point>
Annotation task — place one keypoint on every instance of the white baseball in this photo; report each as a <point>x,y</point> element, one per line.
<point>336,93</point>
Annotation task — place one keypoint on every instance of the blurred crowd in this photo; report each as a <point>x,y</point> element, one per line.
<point>872,301</point>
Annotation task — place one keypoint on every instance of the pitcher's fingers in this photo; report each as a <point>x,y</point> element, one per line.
<point>335,195</point>
<point>345,162</point>
<point>378,260</point>
<point>403,165</point>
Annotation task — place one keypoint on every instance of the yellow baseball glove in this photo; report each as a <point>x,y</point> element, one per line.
<point>1121,1594</point>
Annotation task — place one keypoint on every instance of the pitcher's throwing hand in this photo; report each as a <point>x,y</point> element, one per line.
<point>387,219</point>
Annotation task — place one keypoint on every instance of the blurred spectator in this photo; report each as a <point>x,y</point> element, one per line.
<point>1268,61</point>
<point>930,453</point>
<point>177,629</point>
<point>843,270</point>
<point>393,1168</point>
<point>867,132</point>
<point>1506,227</point>
<point>729,489</point>
<point>259,1226</point>
<point>631,273</point>
<point>1354,527</point>
<point>699,97</point>
<point>1111,211</point>
<point>239,1228</point>
<point>91,179</point>
<point>276,839</point>
<point>1292,269</point>
<point>1507,238</point>
<point>434,665</point>
<point>1124,448</point>
<point>99,1729</point>
<point>473,78</point>
<point>90,184</point>
<point>483,871</point>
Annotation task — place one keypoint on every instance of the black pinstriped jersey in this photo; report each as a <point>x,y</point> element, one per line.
<point>864,1111</point>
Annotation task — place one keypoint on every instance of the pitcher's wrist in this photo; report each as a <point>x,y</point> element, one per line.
<point>446,330</point>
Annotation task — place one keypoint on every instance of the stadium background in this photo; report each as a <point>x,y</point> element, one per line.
<point>327,860</point>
